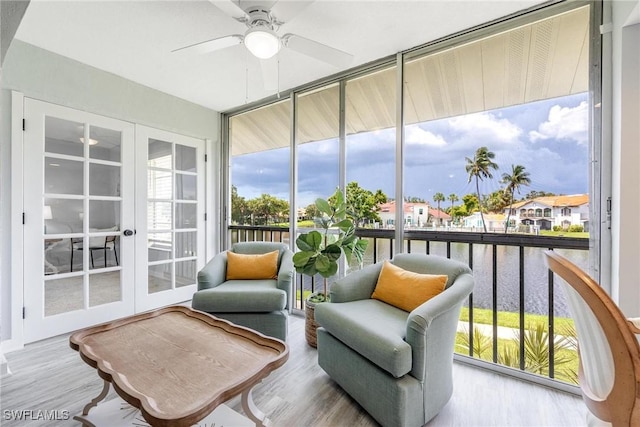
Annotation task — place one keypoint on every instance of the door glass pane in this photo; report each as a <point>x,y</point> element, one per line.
<point>104,251</point>
<point>104,180</point>
<point>185,273</point>
<point>160,277</point>
<point>62,216</point>
<point>159,184</point>
<point>159,215</point>
<point>63,176</point>
<point>185,158</point>
<point>63,137</point>
<point>104,215</point>
<point>185,187</point>
<point>159,246</point>
<point>104,144</point>
<point>186,215</point>
<point>104,288</point>
<point>186,244</point>
<point>63,295</point>
<point>160,154</point>
<point>57,256</point>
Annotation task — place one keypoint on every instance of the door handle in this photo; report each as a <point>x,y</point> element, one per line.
<point>129,232</point>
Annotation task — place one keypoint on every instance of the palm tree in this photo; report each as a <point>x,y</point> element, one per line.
<point>439,197</point>
<point>479,168</point>
<point>518,178</point>
<point>452,198</point>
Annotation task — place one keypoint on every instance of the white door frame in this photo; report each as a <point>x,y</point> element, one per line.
<point>36,324</point>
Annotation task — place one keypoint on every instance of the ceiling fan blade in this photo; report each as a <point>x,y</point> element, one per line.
<point>232,9</point>
<point>269,69</point>
<point>285,10</point>
<point>317,50</point>
<point>214,44</point>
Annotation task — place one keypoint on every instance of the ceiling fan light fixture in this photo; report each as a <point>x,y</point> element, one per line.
<point>262,42</point>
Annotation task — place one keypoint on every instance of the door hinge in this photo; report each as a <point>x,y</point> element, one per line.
<point>609,208</point>
<point>205,157</point>
<point>205,216</point>
<point>24,312</point>
<point>23,218</point>
<point>24,125</point>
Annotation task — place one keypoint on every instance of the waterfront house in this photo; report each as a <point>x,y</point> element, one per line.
<point>415,214</point>
<point>494,222</point>
<point>545,213</point>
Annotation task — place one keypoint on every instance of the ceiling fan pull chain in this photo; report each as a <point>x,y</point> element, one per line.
<point>246,78</point>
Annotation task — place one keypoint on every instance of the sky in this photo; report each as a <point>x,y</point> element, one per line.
<point>549,138</point>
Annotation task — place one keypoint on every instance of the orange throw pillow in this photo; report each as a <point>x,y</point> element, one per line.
<point>251,267</point>
<point>406,290</point>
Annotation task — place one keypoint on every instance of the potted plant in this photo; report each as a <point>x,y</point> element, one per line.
<point>319,252</point>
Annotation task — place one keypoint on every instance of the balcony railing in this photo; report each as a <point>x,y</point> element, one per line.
<point>511,279</point>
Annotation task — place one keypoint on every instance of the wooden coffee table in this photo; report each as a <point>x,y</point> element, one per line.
<point>176,365</point>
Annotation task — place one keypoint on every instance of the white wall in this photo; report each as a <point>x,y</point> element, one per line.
<point>625,106</point>
<point>43,75</point>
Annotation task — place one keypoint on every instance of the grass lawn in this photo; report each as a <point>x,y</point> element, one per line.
<point>512,320</point>
<point>581,235</point>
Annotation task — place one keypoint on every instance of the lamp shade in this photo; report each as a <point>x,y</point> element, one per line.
<point>262,42</point>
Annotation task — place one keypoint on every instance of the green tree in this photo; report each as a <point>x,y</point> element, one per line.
<point>239,207</point>
<point>452,198</point>
<point>439,197</point>
<point>362,205</point>
<point>312,211</point>
<point>268,208</point>
<point>470,203</point>
<point>513,181</point>
<point>533,194</point>
<point>497,201</point>
<point>411,199</point>
<point>478,168</point>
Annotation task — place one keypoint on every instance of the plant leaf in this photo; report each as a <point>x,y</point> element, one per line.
<point>300,259</point>
<point>324,207</point>
<point>332,252</point>
<point>344,225</point>
<point>309,241</point>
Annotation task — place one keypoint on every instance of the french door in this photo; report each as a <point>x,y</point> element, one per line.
<point>113,218</point>
<point>170,217</point>
<point>78,201</point>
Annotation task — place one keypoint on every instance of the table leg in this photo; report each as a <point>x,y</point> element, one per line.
<point>94,402</point>
<point>252,411</point>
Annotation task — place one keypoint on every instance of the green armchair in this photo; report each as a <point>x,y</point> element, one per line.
<point>262,305</point>
<point>397,365</point>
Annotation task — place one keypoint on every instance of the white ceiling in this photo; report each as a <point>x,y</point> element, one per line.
<point>134,39</point>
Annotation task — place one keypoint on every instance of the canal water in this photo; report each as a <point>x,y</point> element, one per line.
<point>536,274</point>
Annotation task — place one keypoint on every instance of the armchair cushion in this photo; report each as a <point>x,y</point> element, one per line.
<point>253,266</point>
<point>372,328</point>
<point>405,289</point>
<point>239,296</point>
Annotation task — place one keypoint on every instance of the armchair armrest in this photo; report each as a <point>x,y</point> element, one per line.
<point>432,326</point>
<point>214,273</point>
<point>357,285</point>
<point>285,275</point>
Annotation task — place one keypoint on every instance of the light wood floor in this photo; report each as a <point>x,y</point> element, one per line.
<point>49,375</point>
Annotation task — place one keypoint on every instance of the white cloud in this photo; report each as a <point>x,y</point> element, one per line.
<point>486,127</point>
<point>418,136</point>
<point>564,123</point>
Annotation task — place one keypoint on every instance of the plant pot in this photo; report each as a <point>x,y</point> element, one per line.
<point>310,325</point>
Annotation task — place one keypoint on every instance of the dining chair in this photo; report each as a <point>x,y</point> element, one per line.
<point>609,368</point>
<point>108,245</point>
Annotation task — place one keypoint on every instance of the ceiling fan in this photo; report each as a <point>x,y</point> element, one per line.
<point>263,20</point>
